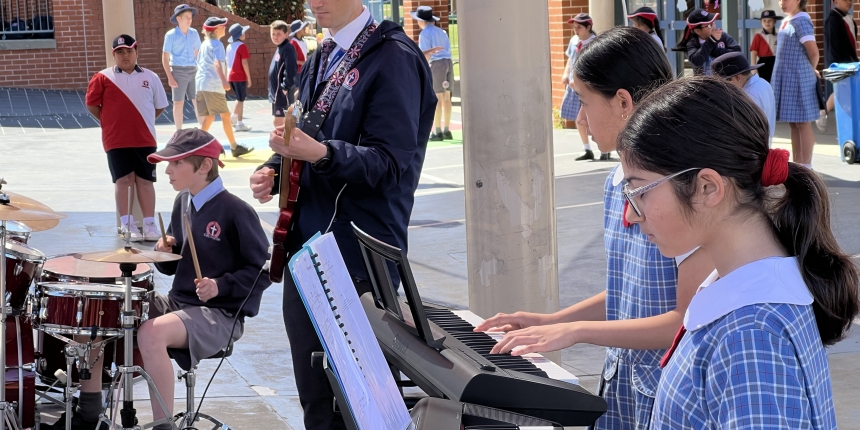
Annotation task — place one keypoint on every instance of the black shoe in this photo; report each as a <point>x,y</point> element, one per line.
<point>78,423</point>
<point>436,137</point>
<point>606,156</point>
<point>240,151</point>
<point>447,135</point>
<point>588,155</point>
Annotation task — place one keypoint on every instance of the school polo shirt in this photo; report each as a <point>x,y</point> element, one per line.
<point>236,52</point>
<point>182,47</point>
<point>433,37</point>
<point>762,94</point>
<point>128,103</point>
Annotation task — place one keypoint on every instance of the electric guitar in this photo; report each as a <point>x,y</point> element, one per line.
<point>289,177</point>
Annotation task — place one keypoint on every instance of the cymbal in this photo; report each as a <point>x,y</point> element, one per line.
<point>128,255</point>
<point>30,212</point>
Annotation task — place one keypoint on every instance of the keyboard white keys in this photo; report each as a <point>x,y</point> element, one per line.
<point>552,370</point>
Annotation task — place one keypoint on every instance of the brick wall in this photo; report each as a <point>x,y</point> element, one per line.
<point>152,19</point>
<point>410,25</point>
<point>560,33</point>
<point>71,64</point>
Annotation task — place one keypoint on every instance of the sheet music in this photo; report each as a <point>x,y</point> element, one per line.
<point>360,367</point>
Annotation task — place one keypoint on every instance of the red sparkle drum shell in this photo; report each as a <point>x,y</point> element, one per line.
<point>20,383</point>
<point>67,268</point>
<point>52,358</point>
<point>23,264</point>
<point>73,309</point>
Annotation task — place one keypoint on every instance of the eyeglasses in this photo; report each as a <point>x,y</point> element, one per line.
<point>629,194</point>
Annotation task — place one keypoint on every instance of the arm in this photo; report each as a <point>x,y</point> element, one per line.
<point>754,381</point>
<point>753,57</point>
<point>95,111</point>
<point>697,53</point>
<point>730,45</point>
<point>247,69</point>
<point>565,77</point>
<point>253,249</point>
<point>158,112</point>
<point>219,69</point>
<point>655,332</point>
<point>812,54</point>
<point>165,63</point>
<point>289,71</point>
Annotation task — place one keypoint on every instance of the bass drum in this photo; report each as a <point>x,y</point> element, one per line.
<point>52,358</point>
<point>20,378</point>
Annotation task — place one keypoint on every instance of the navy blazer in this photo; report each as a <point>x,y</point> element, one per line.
<point>378,129</point>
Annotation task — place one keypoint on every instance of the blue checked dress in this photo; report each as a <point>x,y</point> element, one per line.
<point>641,283</point>
<point>761,366</point>
<point>793,78</point>
<point>570,104</point>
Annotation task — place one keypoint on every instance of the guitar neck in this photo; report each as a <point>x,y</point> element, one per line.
<point>289,125</point>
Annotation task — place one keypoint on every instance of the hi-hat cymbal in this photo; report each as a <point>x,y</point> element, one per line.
<point>128,255</point>
<point>21,209</point>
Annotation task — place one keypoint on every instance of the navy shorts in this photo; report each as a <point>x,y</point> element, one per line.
<point>279,111</point>
<point>123,161</point>
<point>240,89</point>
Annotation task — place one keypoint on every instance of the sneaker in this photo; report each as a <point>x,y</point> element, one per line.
<point>588,155</point>
<point>605,156</point>
<point>821,122</point>
<point>78,423</point>
<point>241,127</point>
<point>436,137</point>
<point>447,135</point>
<point>151,233</point>
<point>240,150</point>
<point>234,119</point>
<point>136,236</point>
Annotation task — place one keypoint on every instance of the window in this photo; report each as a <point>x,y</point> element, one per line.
<point>26,19</point>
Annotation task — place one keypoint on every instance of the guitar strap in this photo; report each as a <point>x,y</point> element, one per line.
<point>312,121</point>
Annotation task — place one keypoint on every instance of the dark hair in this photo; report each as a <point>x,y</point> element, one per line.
<point>197,161</point>
<point>622,58</point>
<point>654,26</point>
<point>679,119</point>
<point>775,27</point>
<point>590,27</point>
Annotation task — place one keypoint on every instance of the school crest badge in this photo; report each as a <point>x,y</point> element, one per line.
<point>351,78</point>
<point>213,230</point>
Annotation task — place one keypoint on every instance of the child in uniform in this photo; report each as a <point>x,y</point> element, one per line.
<point>646,20</point>
<point>750,354</point>
<point>735,68</point>
<point>436,46</point>
<point>583,34</point>
<point>646,293</point>
<point>298,31</point>
<point>763,46</point>
<point>238,73</point>
<point>283,70</point>
<point>179,59</point>
<point>795,80</point>
<point>212,82</point>
<point>703,42</point>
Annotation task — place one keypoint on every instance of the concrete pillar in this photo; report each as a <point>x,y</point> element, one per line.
<point>730,14</point>
<point>603,14</point>
<point>508,157</point>
<point>119,19</point>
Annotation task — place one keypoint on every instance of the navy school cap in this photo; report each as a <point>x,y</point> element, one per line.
<point>124,41</point>
<point>731,64</point>
<point>182,8</point>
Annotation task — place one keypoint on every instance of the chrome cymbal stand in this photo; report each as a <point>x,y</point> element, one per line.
<point>6,410</point>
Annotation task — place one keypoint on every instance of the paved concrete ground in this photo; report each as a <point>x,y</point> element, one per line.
<point>66,169</point>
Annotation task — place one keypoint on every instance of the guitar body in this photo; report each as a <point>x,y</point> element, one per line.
<point>290,175</point>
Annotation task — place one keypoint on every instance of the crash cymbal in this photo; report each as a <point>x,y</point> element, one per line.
<point>28,204</point>
<point>128,255</point>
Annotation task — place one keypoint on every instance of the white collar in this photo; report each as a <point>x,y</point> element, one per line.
<point>587,41</point>
<point>618,176</point>
<point>349,32</point>
<point>752,80</point>
<point>770,280</point>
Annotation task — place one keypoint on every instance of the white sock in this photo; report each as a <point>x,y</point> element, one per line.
<point>125,220</point>
<point>587,146</point>
<point>149,220</point>
<point>238,123</point>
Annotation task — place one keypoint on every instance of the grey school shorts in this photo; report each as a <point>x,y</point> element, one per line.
<point>443,75</point>
<point>185,76</point>
<point>208,328</point>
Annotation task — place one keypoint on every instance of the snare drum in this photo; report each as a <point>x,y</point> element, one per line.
<point>23,264</point>
<point>17,231</point>
<point>67,268</point>
<point>74,309</point>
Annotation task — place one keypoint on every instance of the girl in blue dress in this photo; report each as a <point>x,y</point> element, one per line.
<point>583,34</point>
<point>794,78</point>
<point>750,354</point>
<point>646,293</point>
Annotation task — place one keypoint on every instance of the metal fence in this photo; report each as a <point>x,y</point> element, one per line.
<point>26,19</point>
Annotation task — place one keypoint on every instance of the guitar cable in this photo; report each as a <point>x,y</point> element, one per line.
<point>264,269</point>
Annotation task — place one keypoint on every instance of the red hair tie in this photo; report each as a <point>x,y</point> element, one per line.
<point>775,170</point>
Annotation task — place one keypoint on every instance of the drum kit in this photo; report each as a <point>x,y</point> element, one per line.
<point>78,306</point>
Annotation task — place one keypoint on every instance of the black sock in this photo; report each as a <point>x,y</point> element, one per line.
<point>90,406</point>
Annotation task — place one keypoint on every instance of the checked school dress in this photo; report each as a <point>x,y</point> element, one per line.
<point>793,78</point>
<point>570,104</point>
<point>752,357</point>
<point>640,283</point>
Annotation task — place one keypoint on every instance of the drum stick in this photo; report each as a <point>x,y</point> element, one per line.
<point>190,239</point>
<point>163,234</point>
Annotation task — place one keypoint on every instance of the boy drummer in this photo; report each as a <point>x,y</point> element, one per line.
<point>196,319</point>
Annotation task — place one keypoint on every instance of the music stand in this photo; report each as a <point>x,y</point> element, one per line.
<point>378,258</point>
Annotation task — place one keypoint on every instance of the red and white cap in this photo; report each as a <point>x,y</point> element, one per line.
<point>188,142</point>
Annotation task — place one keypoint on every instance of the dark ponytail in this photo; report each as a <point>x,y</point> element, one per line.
<point>682,44</point>
<point>622,58</point>
<point>653,25</point>
<point>679,119</point>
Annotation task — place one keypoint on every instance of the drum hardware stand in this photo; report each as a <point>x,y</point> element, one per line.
<point>6,409</point>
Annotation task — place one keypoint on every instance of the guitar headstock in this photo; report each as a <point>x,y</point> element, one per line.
<point>293,118</point>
